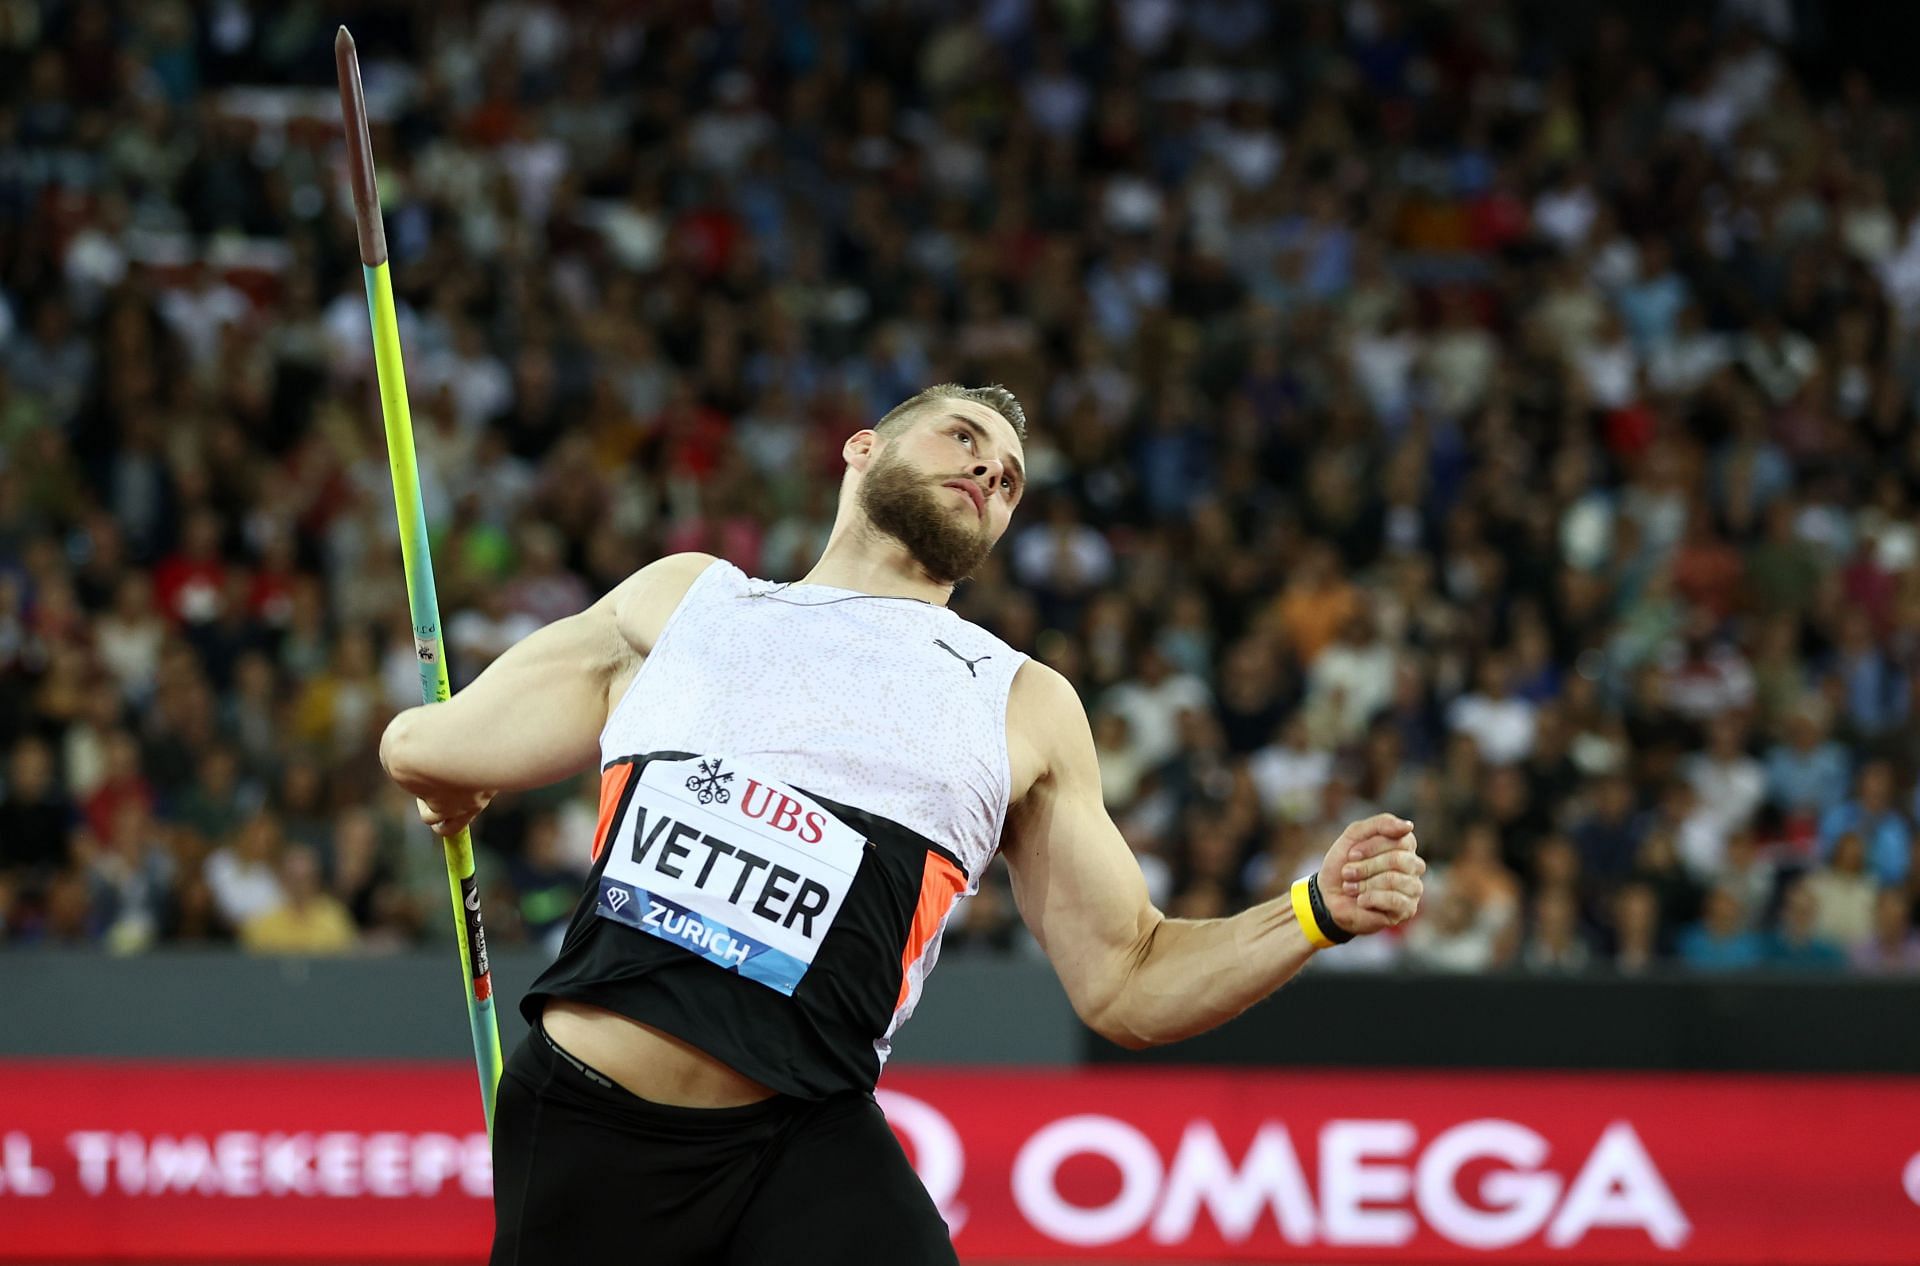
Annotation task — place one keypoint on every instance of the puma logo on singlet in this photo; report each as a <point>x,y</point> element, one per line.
<point>971,670</point>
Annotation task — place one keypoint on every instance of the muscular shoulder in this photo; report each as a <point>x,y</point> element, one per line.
<point>1047,731</point>
<point>646,600</point>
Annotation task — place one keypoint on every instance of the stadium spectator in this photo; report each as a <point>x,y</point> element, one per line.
<point>308,919</point>
<point>130,874</point>
<point>1657,866</point>
<point>35,814</point>
<point>1796,944</point>
<point>1290,773</point>
<point>1352,679</point>
<point>1152,701</point>
<point>1750,873</point>
<point>1807,774</point>
<point>1872,816</point>
<point>1500,722</point>
<point>1636,930</point>
<point>1729,787</point>
<point>1474,923</point>
<point>1895,944</point>
<point>1609,835</point>
<point>1843,894</point>
<point>546,882</point>
<point>244,873</point>
<point>1720,941</point>
<point>1555,941</point>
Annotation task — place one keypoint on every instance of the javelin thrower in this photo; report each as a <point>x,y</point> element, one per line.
<point>797,783</point>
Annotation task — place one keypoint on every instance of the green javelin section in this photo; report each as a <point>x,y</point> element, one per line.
<point>423,604</point>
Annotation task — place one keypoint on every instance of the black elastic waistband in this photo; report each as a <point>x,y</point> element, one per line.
<point>593,1075</point>
<point>618,1096</point>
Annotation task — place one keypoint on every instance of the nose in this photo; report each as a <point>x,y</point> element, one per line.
<point>990,470</point>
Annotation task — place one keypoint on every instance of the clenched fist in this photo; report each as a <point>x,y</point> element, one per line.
<point>1371,878</point>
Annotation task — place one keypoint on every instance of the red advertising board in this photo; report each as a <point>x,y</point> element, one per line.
<point>120,1161</point>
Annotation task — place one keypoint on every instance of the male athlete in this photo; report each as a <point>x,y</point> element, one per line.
<point>797,783</point>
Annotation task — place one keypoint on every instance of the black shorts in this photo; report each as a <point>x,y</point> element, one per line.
<point>585,1172</point>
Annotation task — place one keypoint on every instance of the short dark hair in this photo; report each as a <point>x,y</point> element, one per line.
<point>995,397</point>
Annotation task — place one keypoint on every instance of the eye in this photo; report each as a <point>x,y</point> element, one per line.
<point>965,437</point>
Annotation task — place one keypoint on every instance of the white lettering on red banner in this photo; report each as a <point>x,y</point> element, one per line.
<point>338,1165</point>
<point>1365,1184</point>
<point>315,1162</point>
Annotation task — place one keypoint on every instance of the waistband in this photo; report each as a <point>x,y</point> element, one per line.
<point>590,1080</point>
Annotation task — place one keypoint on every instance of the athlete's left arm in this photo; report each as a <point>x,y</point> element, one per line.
<point>1135,976</point>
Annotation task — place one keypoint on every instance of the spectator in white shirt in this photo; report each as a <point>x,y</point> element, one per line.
<point>199,312</point>
<point>1844,894</point>
<point>1499,721</point>
<point>1460,360</point>
<point>1779,359</point>
<point>1694,354</point>
<point>476,636</point>
<point>722,138</point>
<point>1290,773</point>
<point>1358,669</point>
<point>1730,785</point>
<point>1382,363</point>
<point>1565,212</point>
<point>244,873</point>
<point>1152,702</point>
<point>1064,556</point>
<point>1609,366</point>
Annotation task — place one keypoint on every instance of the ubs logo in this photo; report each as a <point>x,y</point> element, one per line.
<point>782,812</point>
<point>707,785</point>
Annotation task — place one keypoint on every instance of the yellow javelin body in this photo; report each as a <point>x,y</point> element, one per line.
<point>422,600</point>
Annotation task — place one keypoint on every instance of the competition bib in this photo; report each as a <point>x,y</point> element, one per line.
<point>741,870</point>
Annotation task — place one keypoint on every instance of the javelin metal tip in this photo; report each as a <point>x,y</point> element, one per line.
<point>353,114</point>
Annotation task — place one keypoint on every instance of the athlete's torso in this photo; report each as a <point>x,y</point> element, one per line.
<point>795,788</point>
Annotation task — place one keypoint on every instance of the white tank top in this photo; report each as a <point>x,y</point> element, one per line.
<point>891,705</point>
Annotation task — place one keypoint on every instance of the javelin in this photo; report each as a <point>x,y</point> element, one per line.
<point>422,601</point>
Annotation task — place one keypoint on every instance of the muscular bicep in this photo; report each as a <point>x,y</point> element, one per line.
<point>535,715</point>
<point>1077,883</point>
<point>532,718</point>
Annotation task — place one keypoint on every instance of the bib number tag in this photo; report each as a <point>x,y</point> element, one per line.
<point>743,871</point>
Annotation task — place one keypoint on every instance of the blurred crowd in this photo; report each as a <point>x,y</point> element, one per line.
<point>1499,414</point>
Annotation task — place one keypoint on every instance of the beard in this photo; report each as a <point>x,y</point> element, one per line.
<point>900,502</point>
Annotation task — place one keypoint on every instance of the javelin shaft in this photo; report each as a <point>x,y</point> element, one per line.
<point>422,600</point>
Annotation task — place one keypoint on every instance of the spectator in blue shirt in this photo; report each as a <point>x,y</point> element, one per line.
<point>1806,774</point>
<point>1872,816</point>
<point>1719,941</point>
<point>1650,304</point>
<point>1871,682</point>
<point>1794,945</point>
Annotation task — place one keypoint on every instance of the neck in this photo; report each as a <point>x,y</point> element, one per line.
<point>859,558</point>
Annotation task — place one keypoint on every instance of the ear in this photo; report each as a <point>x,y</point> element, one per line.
<point>859,449</point>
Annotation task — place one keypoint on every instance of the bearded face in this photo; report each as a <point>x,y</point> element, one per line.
<point>906,504</point>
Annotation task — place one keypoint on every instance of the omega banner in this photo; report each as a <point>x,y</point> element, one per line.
<point>256,1162</point>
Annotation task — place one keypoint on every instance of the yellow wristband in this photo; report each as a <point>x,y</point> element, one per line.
<point>1303,914</point>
